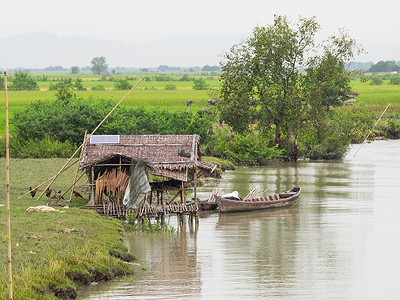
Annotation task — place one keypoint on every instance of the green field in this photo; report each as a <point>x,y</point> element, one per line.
<point>151,94</point>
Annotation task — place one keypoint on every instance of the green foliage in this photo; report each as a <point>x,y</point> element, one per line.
<point>170,87</point>
<point>75,70</point>
<point>147,226</point>
<point>330,137</point>
<point>35,148</point>
<point>385,66</point>
<point>67,118</point>
<point>98,87</point>
<point>199,84</point>
<point>1,83</point>
<point>99,65</point>
<point>249,149</point>
<point>223,164</point>
<point>23,81</point>
<point>185,78</point>
<point>393,126</point>
<point>265,69</point>
<point>122,84</point>
<point>376,80</point>
<point>73,84</point>
<point>395,79</point>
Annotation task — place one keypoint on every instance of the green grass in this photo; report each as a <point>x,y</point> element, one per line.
<point>376,94</point>
<point>152,94</point>
<point>45,261</point>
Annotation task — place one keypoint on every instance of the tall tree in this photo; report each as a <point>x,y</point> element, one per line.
<point>99,65</point>
<point>278,77</point>
<point>23,81</point>
<point>75,70</point>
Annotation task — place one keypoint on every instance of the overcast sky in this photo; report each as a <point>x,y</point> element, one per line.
<point>374,26</point>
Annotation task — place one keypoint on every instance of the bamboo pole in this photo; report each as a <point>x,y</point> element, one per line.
<point>88,137</point>
<point>371,130</point>
<point>77,169</point>
<point>73,185</point>
<point>38,186</point>
<point>8,190</point>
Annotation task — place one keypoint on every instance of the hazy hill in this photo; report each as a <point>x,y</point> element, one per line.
<point>41,49</point>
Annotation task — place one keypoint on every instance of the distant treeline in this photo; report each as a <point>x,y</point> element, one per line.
<point>161,68</point>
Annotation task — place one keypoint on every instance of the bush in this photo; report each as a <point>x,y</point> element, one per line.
<point>170,87</point>
<point>199,84</point>
<point>98,87</point>
<point>395,79</point>
<point>247,149</point>
<point>376,80</point>
<point>73,84</point>
<point>67,118</point>
<point>329,138</point>
<point>122,84</point>
<point>393,127</point>
<point>35,148</point>
<point>23,81</point>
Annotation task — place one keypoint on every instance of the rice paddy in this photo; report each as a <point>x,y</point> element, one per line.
<point>151,94</point>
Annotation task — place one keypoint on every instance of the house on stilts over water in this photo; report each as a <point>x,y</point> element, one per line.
<point>149,174</point>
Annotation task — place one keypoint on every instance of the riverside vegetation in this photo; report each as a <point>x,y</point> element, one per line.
<point>48,263</point>
<point>36,130</point>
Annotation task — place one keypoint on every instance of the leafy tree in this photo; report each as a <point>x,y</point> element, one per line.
<point>123,84</point>
<point>1,83</point>
<point>385,66</point>
<point>72,84</point>
<point>99,65</point>
<point>394,79</point>
<point>376,80</point>
<point>75,70</point>
<point>23,81</point>
<point>199,84</point>
<point>268,67</point>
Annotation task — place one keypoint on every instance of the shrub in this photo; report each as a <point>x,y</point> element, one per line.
<point>122,84</point>
<point>170,87</point>
<point>34,148</point>
<point>247,149</point>
<point>199,84</point>
<point>23,81</point>
<point>376,80</point>
<point>395,79</point>
<point>98,87</point>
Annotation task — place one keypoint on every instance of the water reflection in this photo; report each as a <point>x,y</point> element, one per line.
<point>338,242</point>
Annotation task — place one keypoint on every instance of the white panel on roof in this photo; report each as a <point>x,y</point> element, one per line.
<point>104,139</point>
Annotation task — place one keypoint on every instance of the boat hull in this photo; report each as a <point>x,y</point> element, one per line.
<point>268,202</point>
<point>206,206</point>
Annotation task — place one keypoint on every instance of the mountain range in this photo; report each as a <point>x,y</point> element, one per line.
<point>42,49</point>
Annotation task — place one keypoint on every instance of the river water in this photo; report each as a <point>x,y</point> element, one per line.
<point>340,241</point>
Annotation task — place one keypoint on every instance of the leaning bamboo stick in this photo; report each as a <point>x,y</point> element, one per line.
<point>77,169</point>
<point>10,275</point>
<point>73,185</point>
<point>371,130</point>
<point>88,137</point>
<point>38,186</point>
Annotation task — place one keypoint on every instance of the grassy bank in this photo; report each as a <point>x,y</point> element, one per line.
<point>47,262</point>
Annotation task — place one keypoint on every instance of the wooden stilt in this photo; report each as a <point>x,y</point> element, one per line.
<point>77,170</point>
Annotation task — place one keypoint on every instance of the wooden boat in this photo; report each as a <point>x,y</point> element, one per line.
<point>206,205</point>
<point>265,202</point>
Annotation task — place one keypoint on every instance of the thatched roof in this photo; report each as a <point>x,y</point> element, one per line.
<point>166,154</point>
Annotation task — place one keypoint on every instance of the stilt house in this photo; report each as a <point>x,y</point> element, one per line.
<point>173,160</point>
